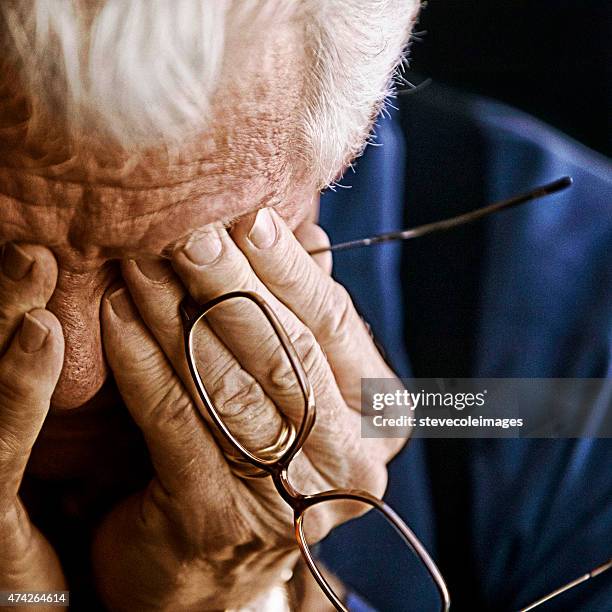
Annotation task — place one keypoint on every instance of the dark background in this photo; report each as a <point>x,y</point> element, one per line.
<point>552,58</point>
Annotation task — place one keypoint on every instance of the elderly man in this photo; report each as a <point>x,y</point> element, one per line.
<point>135,136</point>
<point>157,151</point>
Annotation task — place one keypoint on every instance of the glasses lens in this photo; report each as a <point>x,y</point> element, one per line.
<point>366,560</point>
<point>248,377</point>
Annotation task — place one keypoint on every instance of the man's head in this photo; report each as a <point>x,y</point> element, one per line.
<point>124,126</point>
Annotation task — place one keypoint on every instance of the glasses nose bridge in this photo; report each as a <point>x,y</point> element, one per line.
<point>295,499</point>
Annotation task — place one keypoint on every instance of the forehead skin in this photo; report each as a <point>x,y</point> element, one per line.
<point>100,203</point>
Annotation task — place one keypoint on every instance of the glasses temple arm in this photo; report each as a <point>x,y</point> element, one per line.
<point>445,224</point>
<point>600,569</point>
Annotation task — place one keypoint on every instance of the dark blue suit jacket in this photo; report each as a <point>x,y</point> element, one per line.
<point>527,293</point>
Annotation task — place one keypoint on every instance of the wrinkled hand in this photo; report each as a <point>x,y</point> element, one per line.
<point>200,537</point>
<point>32,347</point>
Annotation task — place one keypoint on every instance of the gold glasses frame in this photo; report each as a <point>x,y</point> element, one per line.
<point>275,464</point>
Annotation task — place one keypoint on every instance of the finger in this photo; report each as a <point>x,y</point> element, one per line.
<point>29,371</point>
<point>244,329</point>
<point>247,411</point>
<point>157,293</point>
<point>29,274</point>
<point>211,265</point>
<point>312,236</point>
<point>181,447</point>
<point>321,303</point>
<point>240,402</point>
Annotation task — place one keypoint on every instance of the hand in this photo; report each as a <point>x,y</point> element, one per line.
<point>32,349</point>
<point>199,537</point>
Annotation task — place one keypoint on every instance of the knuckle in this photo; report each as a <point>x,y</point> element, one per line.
<point>248,397</point>
<point>365,472</point>
<point>292,275</point>
<point>10,445</point>
<point>313,359</point>
<point>219,371</point>
<point>282,377</point>
<point>233,391</point>
<point>336,313</point>
<point>172,412</point>
<point>220,367</point>
<point>15,532</point>
<point>143,362</point>
<point>16,387</point>
<point>355,466</point>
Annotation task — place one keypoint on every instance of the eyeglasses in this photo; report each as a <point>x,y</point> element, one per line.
<point>311,511</point>
<point>274,461</point>
<point>600,569</point>
<point>559,184</point>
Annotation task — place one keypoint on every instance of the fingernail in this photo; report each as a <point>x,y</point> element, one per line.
<point>33,334</point>
<point>203,248</point>
<point>122,305</point>
<point>153,270</point>
<point>263,232</point>
<point>16,263</point>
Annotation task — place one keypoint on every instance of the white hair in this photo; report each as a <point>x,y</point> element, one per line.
<point>356,47</point>
<point>143,71</point>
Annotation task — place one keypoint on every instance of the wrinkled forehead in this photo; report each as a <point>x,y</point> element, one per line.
<point>282,125</point>
<point>105,221</point>
<point>105,202</point>
<point>148,205</point>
